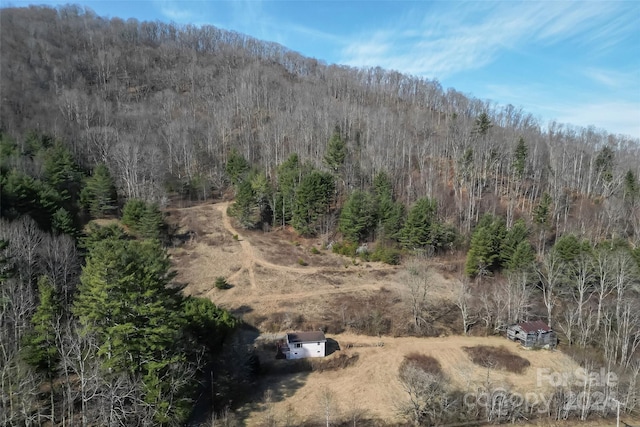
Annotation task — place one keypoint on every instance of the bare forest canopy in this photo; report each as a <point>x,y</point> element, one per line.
<point>164,106</point>
<point>105,119</point>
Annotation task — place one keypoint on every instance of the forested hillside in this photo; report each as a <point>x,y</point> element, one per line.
<point>109,120</point>
<point>164,106</point>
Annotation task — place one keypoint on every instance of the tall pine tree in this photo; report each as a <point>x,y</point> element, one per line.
<point>40,348</point>
<point>237,167</point>
<point>289,175</point>
<point>313,196</point>
<point>336,151</point>
<point>416,232</point>
<point>124,301</point>
<point>484,254</point>
<point>389,213</point>
<point>358,216</point>
<point>99,193</point>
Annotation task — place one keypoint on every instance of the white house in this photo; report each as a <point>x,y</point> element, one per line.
<point>300,345</point>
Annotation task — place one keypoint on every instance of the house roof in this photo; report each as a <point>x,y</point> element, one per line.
<point>306,336</point>
<point>535,326</point>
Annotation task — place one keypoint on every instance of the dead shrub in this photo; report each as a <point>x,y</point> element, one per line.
<point>210,241</point>
<point>497,357</point>
<point>422,361</point>
<point>283,321</point>
<point>334,363</point>
<point>370,315</point>
<point>286,367</point>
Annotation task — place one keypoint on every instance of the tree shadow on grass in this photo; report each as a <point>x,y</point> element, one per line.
<point>246,378</point>
<point>243,309</point>
<point>280,379</point>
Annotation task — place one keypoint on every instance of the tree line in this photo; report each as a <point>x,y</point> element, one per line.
<point>92,327</point>
<point>164,108</point>
<point>105,117</point>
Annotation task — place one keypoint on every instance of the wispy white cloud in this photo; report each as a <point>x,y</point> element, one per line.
<point>615,114</point>
<point>256,18</point>
<point>616,117</point>
<point>473,35</point>
<point>176,11</point>
<point>612,78</point>
<point>297,30</point>
<point>446,39</point>
<point>553,21</point>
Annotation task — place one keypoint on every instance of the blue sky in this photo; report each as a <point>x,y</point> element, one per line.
<point>574,62</point>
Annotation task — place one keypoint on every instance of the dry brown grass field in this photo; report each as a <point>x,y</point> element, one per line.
<point>280,283</point>
<point>274,276</point>
<point>372,381</point>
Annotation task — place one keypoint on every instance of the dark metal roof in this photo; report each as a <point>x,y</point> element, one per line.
<point>535,326</point>
<point>313,336</point>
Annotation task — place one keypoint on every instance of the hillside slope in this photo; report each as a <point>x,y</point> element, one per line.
<point>164,106</point>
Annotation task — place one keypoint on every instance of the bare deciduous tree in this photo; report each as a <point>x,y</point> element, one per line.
<point>418,280</point>
<point>425,393</point>
<point>328,406</point>
<point>462,301</point>
<point>550,273</point>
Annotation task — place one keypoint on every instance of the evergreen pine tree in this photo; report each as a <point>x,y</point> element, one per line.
<point>263,193</point>
<point>569,248</point>
<point>484,254</point>
<point>144,219</point>
<point>151,224</point>
<point>542,210</point>
<point>520,158</point>
<point>245,208</point>
<point>389,213</point>
<point>61,222</point>
<point>483,124</point>
<point>517,234</point>
<point>357,217</point>
<point>336,151</point>
<point>63,174</point>
<point>480,257</point>
<point>604,163</point>
<point>20,193</point>
<point>36,142</point>
<point>416,232</point>
<point>522,258</point>
<point>8,150</point>
<point>99,194</point>
<point>124,299</point>
<point>207,324</point>
<point>237,166</point>
<point>125,302</point>
<point>132,213</point>
<point>40,349</point>
<point>631,188</point>
<point>97,233</point>
<point>391,218</point>
<point>313,197</point>
<point>443,235</point>
<point>289,175</point>
<point>382,185</point>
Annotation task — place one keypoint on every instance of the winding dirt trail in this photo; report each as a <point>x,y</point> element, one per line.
<point>304,295</point>
<point>264,268</point>
<point>250,259</point>
<point>247,250</point>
